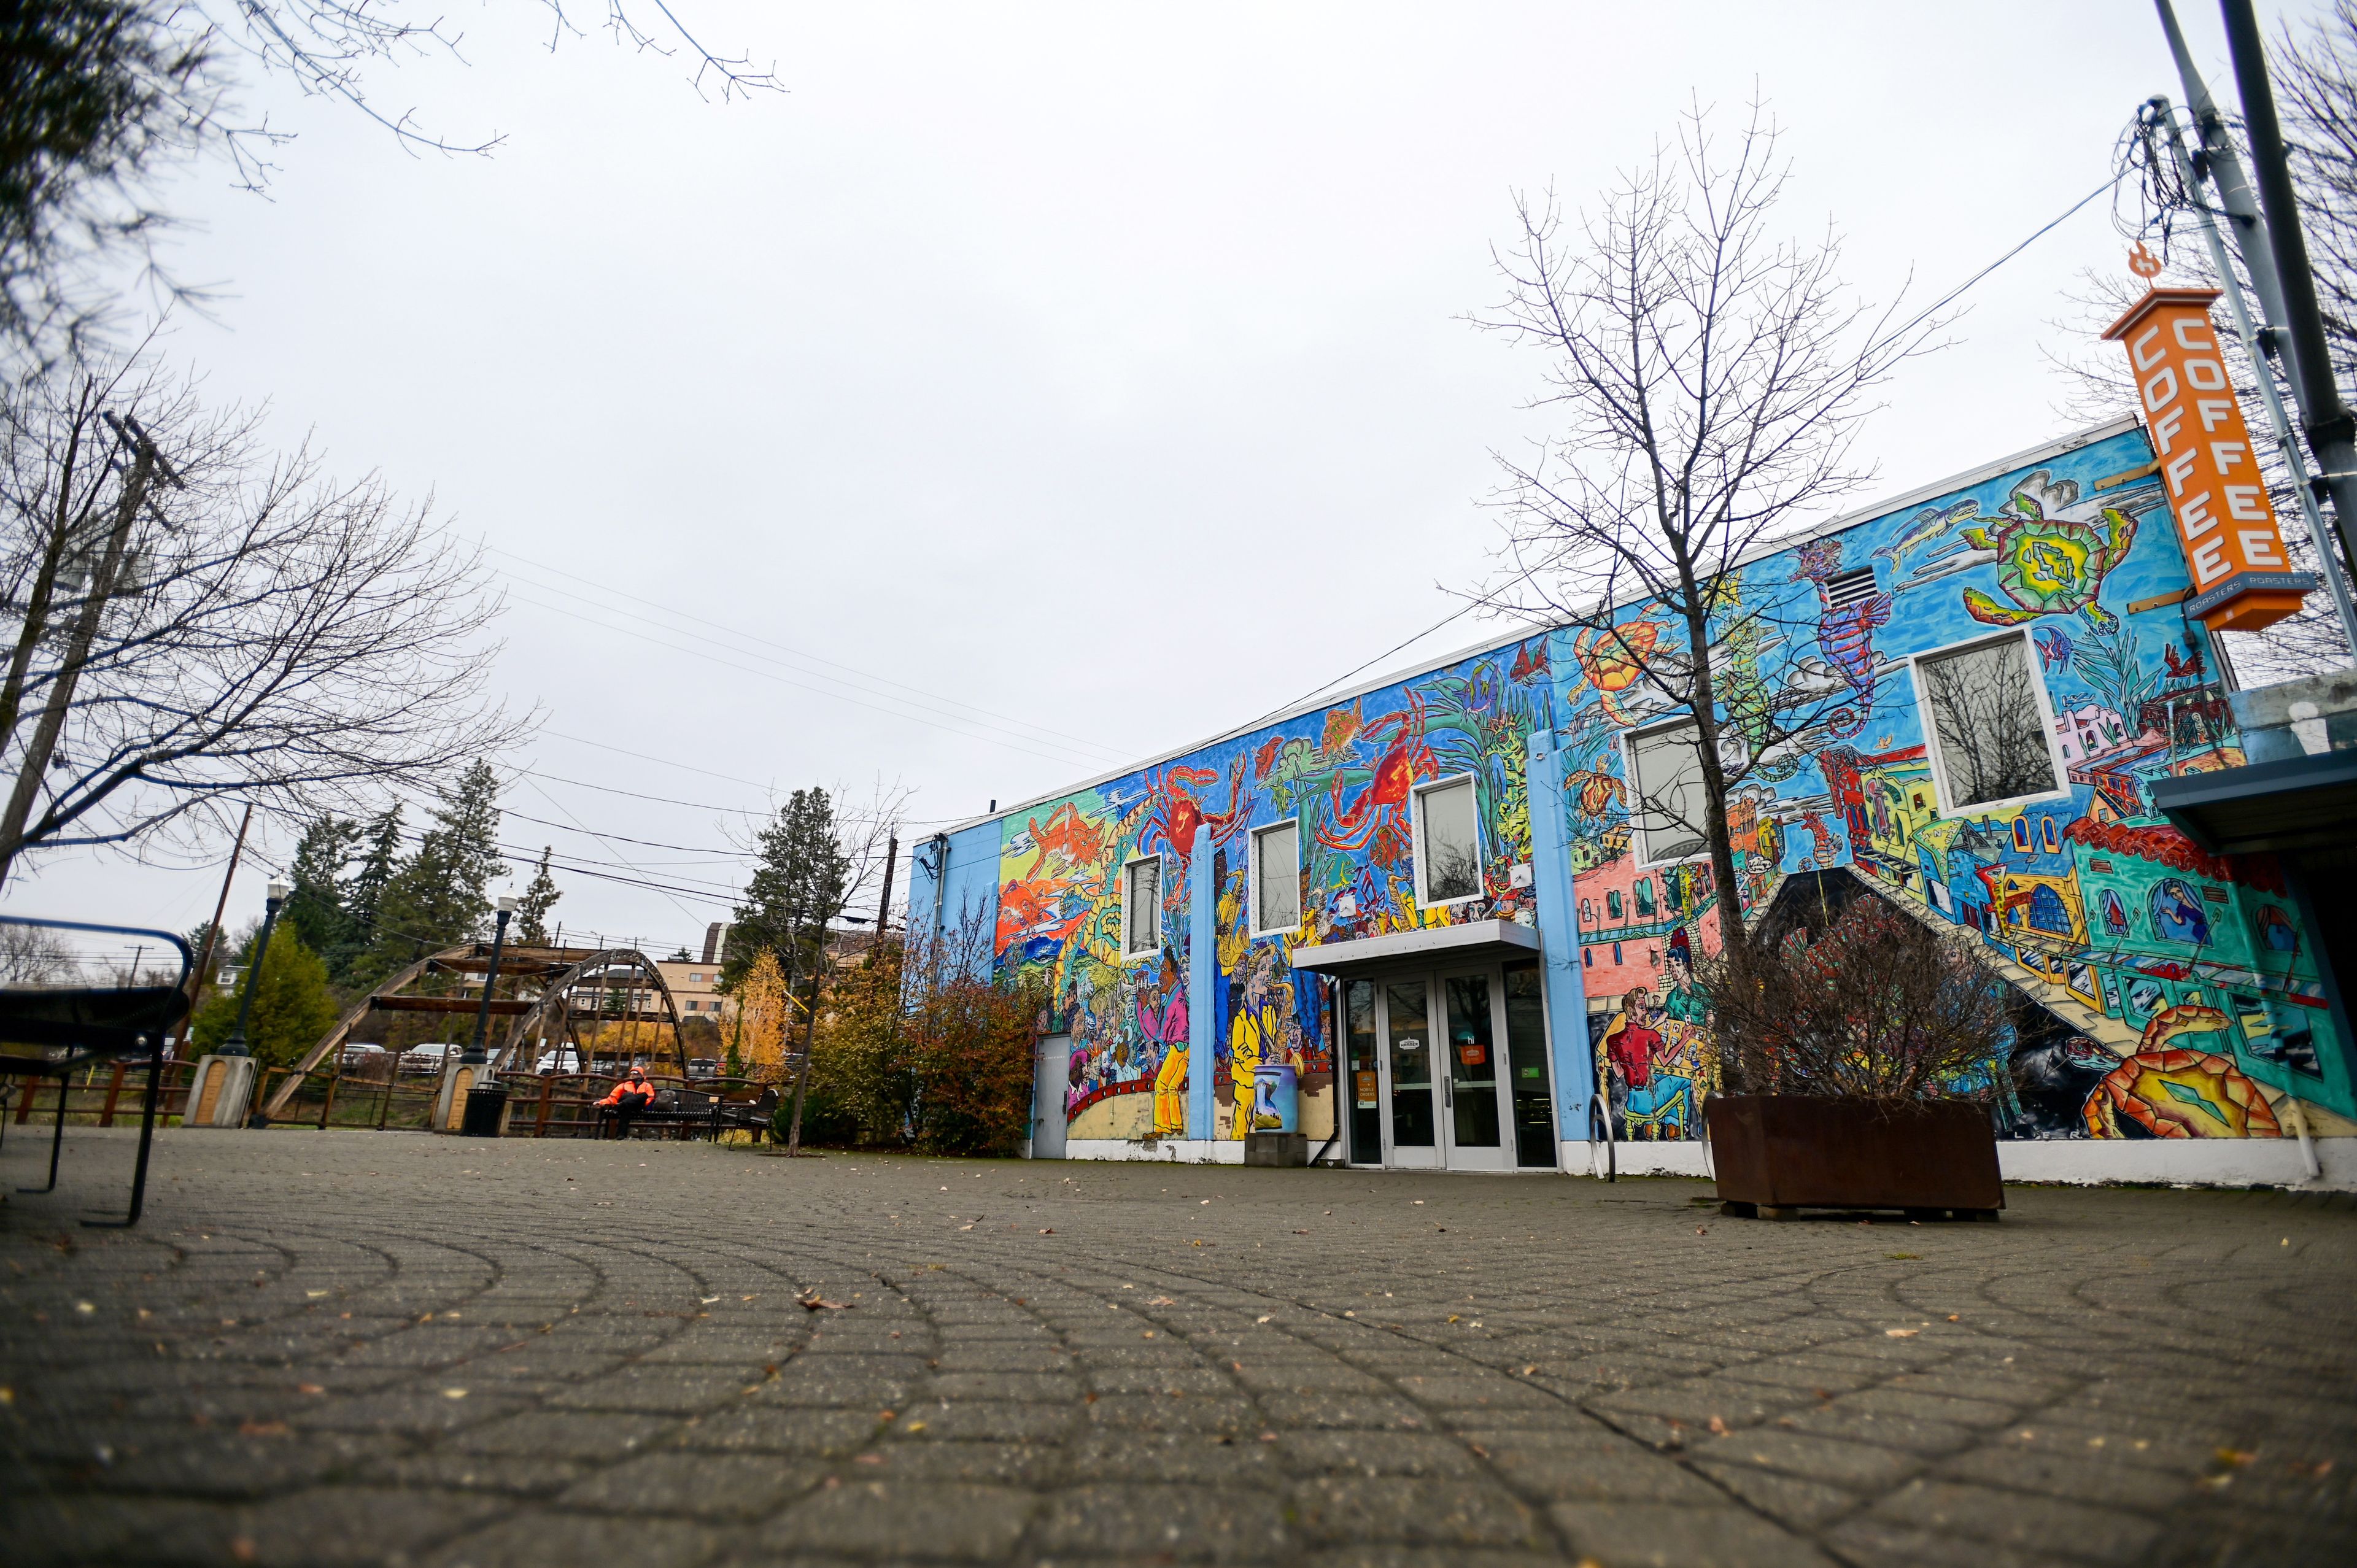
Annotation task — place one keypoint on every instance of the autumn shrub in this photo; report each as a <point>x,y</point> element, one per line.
<point>1875,1005</point>
<point>969,1036</point>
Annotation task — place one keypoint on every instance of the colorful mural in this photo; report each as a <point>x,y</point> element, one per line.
<point>2166,992</point>
<point>2174,996</point>
<point>1348,775</point>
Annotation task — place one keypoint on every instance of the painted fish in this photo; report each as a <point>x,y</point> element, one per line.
<point>1530,659</point>
<point>2053,647</point>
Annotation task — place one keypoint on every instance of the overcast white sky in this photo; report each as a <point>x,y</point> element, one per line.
<point>1077,380</point>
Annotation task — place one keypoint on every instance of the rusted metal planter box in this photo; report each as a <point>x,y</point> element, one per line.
<point>1776,1153</point>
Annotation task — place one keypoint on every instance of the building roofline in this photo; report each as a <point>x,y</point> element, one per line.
<point>1978,474</point>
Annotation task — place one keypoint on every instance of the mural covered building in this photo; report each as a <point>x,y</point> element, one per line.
<point>1443,921</point>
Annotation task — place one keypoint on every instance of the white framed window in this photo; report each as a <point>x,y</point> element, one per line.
<point>1664,764</point>
<point>1448,842</point>
<point>1276,878</point>
<point>1988,723</point>
<point>1141,907</point>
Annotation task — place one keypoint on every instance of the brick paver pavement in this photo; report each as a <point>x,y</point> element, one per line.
<point>355,1347</point>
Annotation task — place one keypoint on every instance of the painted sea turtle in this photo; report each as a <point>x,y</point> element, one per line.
<point>2048,565</point>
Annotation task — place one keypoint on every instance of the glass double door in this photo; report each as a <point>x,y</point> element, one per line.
<point>1448,1069</point>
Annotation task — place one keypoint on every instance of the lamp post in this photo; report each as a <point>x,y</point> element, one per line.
<point>235,1045</point>
<point>473,1055</point>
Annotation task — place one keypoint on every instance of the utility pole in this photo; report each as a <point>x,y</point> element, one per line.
<point>884,905</point>
<point>2252,344</point>
<point>2331,431</point>
<point>213,933</point>
<point>145,461</point>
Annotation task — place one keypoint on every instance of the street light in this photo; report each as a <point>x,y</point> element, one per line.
<point>235,1045</point>
<point>473,1055</point>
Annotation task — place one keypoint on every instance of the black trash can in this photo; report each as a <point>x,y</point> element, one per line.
<point>483,1110</point>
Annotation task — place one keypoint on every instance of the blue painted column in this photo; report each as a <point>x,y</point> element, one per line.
<point>1566,988</point>
<point>1202,987</point>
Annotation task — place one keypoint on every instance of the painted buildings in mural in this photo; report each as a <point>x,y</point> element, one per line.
<point>1311,824</point>
<point>2003,670</point>
<point>2016,668</point>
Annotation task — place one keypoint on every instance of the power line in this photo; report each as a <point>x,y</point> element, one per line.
<point>790,651</point>
<point>700,805</point>
<point>974,731</point>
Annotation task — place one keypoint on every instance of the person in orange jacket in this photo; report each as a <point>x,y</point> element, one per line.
<point>630,1098</point>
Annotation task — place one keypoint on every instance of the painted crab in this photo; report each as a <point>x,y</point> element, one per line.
<point>2048,565</point>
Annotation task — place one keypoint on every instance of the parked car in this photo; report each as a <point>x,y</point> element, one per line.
<point>561,1060</point>
<point>703,1067</point>
<point>427,1059</point>
<point>360,1056</point>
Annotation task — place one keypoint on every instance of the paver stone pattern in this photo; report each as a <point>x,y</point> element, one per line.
<point>328,1347</point>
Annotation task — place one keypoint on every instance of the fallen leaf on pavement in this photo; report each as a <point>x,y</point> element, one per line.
<point>811,1301</point>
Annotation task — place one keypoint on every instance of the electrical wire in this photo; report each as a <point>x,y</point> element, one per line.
<point>790,651</point>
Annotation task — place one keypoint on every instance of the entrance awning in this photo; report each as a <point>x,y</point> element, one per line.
<point>2300,802</point>
<point>1470,942</point>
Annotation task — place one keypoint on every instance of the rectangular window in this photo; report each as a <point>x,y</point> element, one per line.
<point>1141,907</point>
<point>1276,878</point>
<point>1613,901</point>
<point>1986,716</point>
<point>1644,895</point>
<point>1448,842</point>
<point>1670,807</point>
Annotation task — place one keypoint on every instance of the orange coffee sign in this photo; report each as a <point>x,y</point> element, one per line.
<point>2243,580</point>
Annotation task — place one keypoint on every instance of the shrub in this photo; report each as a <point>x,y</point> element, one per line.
<point>1876,1006</point>
<point>969,1042</point>
<point>292,1005</point>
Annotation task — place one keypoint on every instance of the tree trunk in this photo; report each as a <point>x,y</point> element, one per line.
<point>810,1044</point>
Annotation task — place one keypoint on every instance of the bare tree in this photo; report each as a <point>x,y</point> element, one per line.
<point>1712,376</point>
<point>190,618</point>
<point>1985,715</point>
<point>103,102</point>
<point>2315,71</point>
<point>30,955</point>
<point>1873,1003</point>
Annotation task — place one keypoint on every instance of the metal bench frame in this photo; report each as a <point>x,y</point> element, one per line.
<point>82,1042</point>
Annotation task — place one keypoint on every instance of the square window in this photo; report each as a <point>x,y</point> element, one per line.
<point>1448,842</point>
<point>1669,806</point>
<point>1141,907</point>
<point>1986,716</point>
<point>1276,878</point>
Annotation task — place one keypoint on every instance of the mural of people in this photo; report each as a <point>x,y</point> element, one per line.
<point>1162,1020</point>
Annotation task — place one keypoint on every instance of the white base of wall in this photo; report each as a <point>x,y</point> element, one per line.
<point>1169,1150</point>
<point>1638,1159</point>
<point>2190,1162</point>
<point>2222,1162</point>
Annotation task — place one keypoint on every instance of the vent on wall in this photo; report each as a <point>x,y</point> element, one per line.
<point>1849,587</point>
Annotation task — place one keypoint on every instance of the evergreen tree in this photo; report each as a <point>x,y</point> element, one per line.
<point>363,896</point>
<point>532,909</point>
<point>798,884</point>
<point>316,910</point>
<point>441,894</point>
<point>291,1004</point>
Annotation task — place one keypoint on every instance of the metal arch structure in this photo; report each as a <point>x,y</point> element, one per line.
<point>561,986</point>
<point>590,971</point>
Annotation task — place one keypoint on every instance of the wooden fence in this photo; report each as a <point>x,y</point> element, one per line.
<point>551,1106</point>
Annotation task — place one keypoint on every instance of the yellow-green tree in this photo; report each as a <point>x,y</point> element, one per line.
<point>292,1005</point>
<point>763,1013</point>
